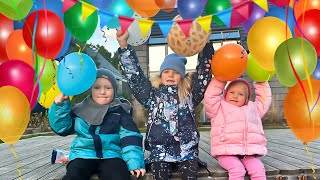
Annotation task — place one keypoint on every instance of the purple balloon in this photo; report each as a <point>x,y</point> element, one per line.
<point>257,13</point>
<point>316,72</point>
<point>190,9</point>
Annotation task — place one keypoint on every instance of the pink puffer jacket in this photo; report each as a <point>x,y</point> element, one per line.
<point>237,130</point>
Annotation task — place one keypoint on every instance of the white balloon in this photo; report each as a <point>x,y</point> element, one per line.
<point>135,38</point>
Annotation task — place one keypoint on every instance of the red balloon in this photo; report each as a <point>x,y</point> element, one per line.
<point>310,26</point>
<point>50,33</point>
<point>280,3</point>
<point>21,75</point>
<point>6,27</point>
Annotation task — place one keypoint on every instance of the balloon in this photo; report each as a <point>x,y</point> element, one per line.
<point>229,62</point>
<point>102,5</point>
<point>46,70</point>
<point>316,72</point>
<point>17,48</point>
<point>52,5</point>
<point>15,114</point>
<point>257,13</point>
<point>256,73</point>
<point>135,38</point>
<point>166,5</point>
<point>65,46</point>
<point>49,34</point>
<point>76,74</point>
<point>145,9</point>
<point>187,46</point>
<point>296,111</point>
<point>190,9</point>
<point>81,30</point>
<point>263,39</point>
<point>214,6</point>
<point>20,75</point>
<point>299,8</point>
<point>299,49</point>
<point>310,26</point>
<point>15,9</point>
<point>282,14</point>
<point>47,98</point>
<point>119,7</point>
<point>282,3</point>
<point>5,30</point>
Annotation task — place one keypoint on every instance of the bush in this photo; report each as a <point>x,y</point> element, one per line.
<point>40,122</point>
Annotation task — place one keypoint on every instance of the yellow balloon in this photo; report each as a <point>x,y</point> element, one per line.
<point>14,114</point>
<point>47,98</point>
<point>264,38</point>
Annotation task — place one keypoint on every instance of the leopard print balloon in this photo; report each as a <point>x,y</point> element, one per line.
<point>184,46</point>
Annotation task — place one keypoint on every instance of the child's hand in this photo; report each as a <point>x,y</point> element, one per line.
<point>138,172</point>
<point>60,98</point>
<point>122,38</point>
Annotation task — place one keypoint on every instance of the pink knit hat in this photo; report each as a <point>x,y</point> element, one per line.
<point>239,80</point>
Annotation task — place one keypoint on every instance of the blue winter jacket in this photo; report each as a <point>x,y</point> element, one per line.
<point>117,136</point>
<point>172,133</point>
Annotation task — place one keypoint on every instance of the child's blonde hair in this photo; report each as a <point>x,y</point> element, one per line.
<point>184,87</point>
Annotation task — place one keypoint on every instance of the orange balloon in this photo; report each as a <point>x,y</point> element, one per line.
<point>296,111</point>
<point>229,62</point>
<point>299,6</point>
<point>14,114</point>
<point>145,9</point>
<point>17,49</point>
<point>166,5</point>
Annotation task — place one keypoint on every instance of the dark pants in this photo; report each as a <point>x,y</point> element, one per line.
<point>106,169</point>
<point>188,169</point>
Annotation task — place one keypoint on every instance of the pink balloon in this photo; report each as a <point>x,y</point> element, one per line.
<point>22,76</point>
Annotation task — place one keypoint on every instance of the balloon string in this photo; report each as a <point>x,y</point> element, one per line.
<point>316,102</point>
<point>312,162</point>
<point>296,23</point>
<point>18,165</point>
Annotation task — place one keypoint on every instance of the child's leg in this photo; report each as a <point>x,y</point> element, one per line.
<point>189,169</point>
<point>113,169</point>
<point>234,167</point>
<point>80,169</point>
<point>161,170</point>
<point>254,167</point>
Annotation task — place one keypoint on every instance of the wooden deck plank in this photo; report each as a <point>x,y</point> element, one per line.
<point>286,156</point>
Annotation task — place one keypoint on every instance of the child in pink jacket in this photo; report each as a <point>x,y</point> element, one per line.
<point>237,136</point>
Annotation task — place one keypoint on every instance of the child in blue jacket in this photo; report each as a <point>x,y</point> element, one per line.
<point>108,142</point>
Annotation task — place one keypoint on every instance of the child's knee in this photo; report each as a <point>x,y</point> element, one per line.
<point>237,171</point>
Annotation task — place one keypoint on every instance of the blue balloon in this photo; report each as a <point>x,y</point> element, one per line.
<point>119,7</point>
<point>65,46</point>
<point>316,72</point>
<point>76,74</point>
<point>52,5</point>
<point>102,4</point>
<point>280,13</point>
<point>190,9</point>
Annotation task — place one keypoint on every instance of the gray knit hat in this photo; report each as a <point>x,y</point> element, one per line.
<point>104,73</point>
<point>175,62</point>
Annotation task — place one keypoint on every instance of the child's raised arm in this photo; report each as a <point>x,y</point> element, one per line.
<point>212,97</point>
<point>203,73</point>
<point>138,82</point>
<point>263,97</point>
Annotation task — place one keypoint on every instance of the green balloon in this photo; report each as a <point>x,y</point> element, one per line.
<point>215,6</point>
<point>49,72</point>
<point>299,49</point>
<point>15,9</point>
<point>256,72</point>
<point>81,30</point>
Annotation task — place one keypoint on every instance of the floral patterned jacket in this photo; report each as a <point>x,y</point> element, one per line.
<point>172,134</point>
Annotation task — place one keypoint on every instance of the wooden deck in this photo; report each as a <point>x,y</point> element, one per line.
<point>287,158</point>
